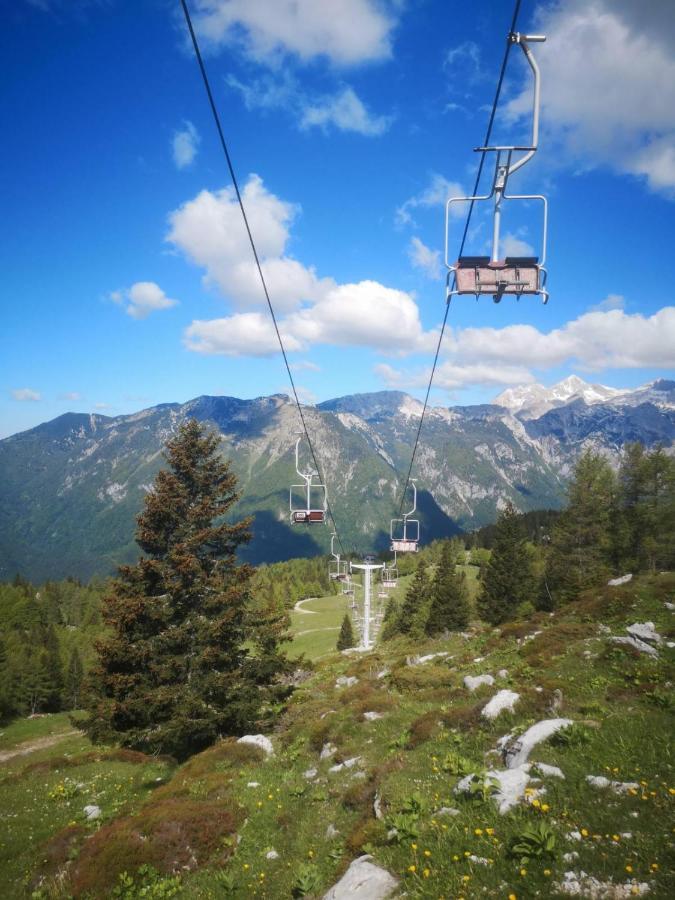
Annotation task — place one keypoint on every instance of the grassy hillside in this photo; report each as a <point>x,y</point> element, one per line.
<point>208,828</point>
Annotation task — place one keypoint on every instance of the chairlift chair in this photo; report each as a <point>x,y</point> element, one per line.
<point>390,575</point>
<point>405,532</point>
<point>313,512</point>
<point>510,275</point>
<point>337,569</point>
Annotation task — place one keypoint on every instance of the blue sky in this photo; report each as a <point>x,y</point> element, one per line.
<point>127,280</point>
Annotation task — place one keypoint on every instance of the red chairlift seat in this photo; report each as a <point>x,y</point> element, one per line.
<point>308,517</point>
<point>514,275</point>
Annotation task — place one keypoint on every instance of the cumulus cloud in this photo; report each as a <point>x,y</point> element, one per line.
<point>184,145</point>
<point>305,364</point>
<point>608,70</point>
<point>512,245</point>
<point>611,301</point>
<point>210,231</point>
<point>26,395</point>
<point>72,395</point>
<point>244,334</point>
<point>343,110</point>
<point>306,29</point>
<point>424,258</point>
<point>141,299</point>
<point>597,340</point>
<point>437,191</point>
<point>346,112</point>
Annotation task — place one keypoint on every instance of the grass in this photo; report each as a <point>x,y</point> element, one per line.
<point>232,808</point>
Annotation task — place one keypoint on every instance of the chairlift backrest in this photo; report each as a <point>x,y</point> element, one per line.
<point>496,275</point>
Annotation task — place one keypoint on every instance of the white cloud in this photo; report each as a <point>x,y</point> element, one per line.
<point>244,334</point>
<point>343,109</point>
<point>346,112</point>
<point>102,406</point>
<point>608,85</point>
<point>437,191</point>
<point>72,395</point>
<point>356,32</point>
<point>141,299</point>
<point>611,301</point>
<point>305,364</point>
<point>511,245</point>
<point>463,63</point>
<point>424,258</point>
<point>184,145</point>
<point>26,395</point>
<point>608,339</point>
<point>451,376</point>
<point>210,231</point>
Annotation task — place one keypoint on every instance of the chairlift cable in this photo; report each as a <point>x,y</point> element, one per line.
<point>486,142</point>
<point>235,184</point>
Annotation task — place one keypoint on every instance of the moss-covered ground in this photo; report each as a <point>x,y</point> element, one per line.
<point>207,829</point>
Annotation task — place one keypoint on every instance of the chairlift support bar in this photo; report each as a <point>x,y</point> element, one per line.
<point>408,536</point>
<point>310,514</point>
<point>513,275</point>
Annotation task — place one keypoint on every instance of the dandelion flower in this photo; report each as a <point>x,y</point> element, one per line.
<point>547,872</point>
<point>654,867</point>
<point>478,831</point>
<point>523,872</point>
<point>412,869</point>
<point>584,832</point>
<point>414,846</point>
<point>466,878</point>
<point>426,873</point>
<point>629,869</point>
<point>427,852</point>
<point>512,897</point>
<point>545,807</point>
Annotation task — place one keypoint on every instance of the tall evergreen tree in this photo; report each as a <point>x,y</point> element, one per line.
<point>54,668</point>
<point>392,612</point>
<point>34,683</point>
<point>450,609</point>
<point>415,609</point>
<point>580,551</point>
<point>507,579</point>
<point>73,681</point>
<point>346,637</point>
<point>176,671</point>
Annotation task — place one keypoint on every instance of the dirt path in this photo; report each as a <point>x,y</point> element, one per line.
<point>39,744</point>
<point>308,612</point>
<point>315,630</point>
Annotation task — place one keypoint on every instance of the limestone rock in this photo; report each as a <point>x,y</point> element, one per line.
<point>92,812</point>
<point>363,880</point>
<point>372,716</point>
<point>519,752</point>
<point>637,644</point>
<point>327,751</point>
<point>346,681</point>
<point>618,787</point>
<point>645,631</point>
<point>347,764</point>
<point>271,854</point>
<point>617,582</point>
<point>258,740</point>
<point>503,700</point>
<point>472,682</point>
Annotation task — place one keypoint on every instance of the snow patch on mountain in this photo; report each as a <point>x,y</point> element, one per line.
<point>533,400</point>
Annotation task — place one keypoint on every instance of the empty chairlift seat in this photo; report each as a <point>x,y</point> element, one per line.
<point>308,517</point>
<point>512,275</point>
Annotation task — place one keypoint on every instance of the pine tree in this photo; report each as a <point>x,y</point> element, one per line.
<point>450,609</point>
<point>580,552</point>
<point>34,682</point>
<point>415,609</point>
<point>73,681</point>
<point>390,621</point>
<point>346,637</point>
<point>176,671</point>
<point>52,662</point>
<point>507,579</point>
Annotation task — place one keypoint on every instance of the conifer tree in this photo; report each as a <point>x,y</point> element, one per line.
<point>34,683</point>
<point>580,551</point>
<point>450,609</point>
<point>507,580</point>
<point>390,621</point>
<point>346,637</point>
<point>415,609</point>
<point>73,680</point>
<point>54,670</point>
<point>176,672</point>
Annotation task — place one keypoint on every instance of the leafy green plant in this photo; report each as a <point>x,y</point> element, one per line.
<point>414,805</point>
<point>306,880</point>
<point>536,841</point>
<point>576,735</point>
<point>402,827</point>
<point>482,787</point>
<point>225,881</point>
<point>147,884</point>
<point>456,764</point>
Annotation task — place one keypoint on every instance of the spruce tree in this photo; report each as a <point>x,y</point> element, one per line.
<point>54,668</point>
<point>580,551</point>
<point>176,672</point>
<point>415,609</point>
<point>346,637</point>
<point>73,681</point>
<point>507,579</point>
<point>392,612</point>
<point>450,609</point>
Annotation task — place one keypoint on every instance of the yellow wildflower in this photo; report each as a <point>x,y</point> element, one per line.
<point>615,837</point>
<point>478,831</point>
<point>512,897</point>
<point>427,852</point>
<point>629,869</point>
<point>414,846</point>
<point>523,872</point>
<point>584,832</point>
<point>455,858</point>
<point>654,867</point>
<point>489,831</point>
<point>466,878</point>
<point>426,873</point>
<point>545,807</point>
<point>412,869</point>
<point>547,872</point>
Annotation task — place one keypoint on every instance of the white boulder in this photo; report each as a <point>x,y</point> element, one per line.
<point>346,681</point>
<point>258,740</point>
<point>92,812</point>
<point>327,751</point>
<point>347,764</point>
<point>372,716</point>
<point>519,752</point>
<point>637,644</point>
<point>645,631</point>
<point>363,880</point>
<point>473,682</point>
<point>617,582</point>
<point>271,854</point>
<point>503,700</point>
<point>618,787</point>
<point>420,660</point>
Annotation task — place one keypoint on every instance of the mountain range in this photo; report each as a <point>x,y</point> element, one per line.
<point>71,488</point>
